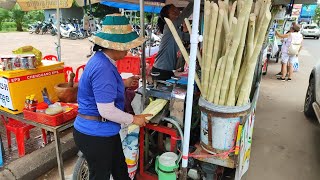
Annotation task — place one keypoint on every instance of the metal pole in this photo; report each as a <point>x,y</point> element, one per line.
<point>194,40</point>
<point>58,29</point>
<point>143,55</point>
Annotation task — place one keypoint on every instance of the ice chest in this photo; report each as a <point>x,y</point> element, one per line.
<point>16,85</point>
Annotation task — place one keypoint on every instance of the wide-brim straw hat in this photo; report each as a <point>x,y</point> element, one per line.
<point>117,34</point>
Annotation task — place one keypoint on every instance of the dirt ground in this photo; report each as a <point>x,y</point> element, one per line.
<point>286,145</point>
<point>73,52</point>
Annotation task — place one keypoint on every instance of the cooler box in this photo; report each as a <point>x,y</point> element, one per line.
<point>16,85</point>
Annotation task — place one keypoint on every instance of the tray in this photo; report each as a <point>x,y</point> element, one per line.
<point>55,120</point>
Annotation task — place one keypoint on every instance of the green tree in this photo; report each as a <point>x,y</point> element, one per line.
<point>4,14</point>
<point>18,16</point>
<point>316,17</point>
<point>33,16</point>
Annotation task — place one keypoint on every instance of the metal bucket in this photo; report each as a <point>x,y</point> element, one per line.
<point>219,125</point>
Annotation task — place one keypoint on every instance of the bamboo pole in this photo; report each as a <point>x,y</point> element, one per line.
<point>216,52</point>
<point>247,81</point>
<point>190,30</point>
<point>232,92</point>
<point>211,38</point>
<point>182,48</point>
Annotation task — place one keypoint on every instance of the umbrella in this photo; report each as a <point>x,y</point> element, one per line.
<point>130,6</point>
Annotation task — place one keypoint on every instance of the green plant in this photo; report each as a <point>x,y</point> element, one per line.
<point>316,16</point>
<point>4,14</point>
<point>18,16</point>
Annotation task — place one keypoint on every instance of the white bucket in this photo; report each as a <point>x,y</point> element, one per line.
<point>219,126</point>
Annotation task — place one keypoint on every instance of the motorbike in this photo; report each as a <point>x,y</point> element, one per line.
<point>35,28</point>
<point>67,30</point>
<point>47,27</point>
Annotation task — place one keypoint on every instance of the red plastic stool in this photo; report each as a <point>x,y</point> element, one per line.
<point>21,131</point>
<point>77,78</point>
<point>51,58</point>
<point>174,137</point>
<point>67,70</point>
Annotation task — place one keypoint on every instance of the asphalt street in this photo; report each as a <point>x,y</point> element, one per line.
<point>286,145</point>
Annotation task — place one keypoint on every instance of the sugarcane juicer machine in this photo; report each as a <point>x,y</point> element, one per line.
<point>173,90</point>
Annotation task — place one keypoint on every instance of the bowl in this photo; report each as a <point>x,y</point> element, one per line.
<point>65,93</point>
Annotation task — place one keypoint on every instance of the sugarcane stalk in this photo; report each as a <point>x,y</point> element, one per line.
<point>233,9</point>
<point>232,91</point>
<point>205,34</point>
<point>237,32</point>
<point>232,46</point>
<point>247,81</point>
<point>212,89</point>
<point>216,48</point>
<point>182,49</point>
<point>257,7</point>
<point>209,62</point>
<point>220,78</point>
<point>190,31</point>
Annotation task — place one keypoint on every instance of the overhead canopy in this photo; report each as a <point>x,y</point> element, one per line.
<point>7,4</point>
<point>135,7</point>
<point>29,5</point>
<point>285,2</point>
<point>178,3</point>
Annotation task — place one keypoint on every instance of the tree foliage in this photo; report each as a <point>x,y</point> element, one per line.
<point>4,15</point>
<point>18,16</point>
<point>316,17</point>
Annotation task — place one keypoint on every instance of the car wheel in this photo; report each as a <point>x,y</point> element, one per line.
<point>310,99</point>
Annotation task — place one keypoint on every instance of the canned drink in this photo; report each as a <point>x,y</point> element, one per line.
<point>15,63</point>
<point>32,62</point>
<point>7,66</point>
<point>24,62</point>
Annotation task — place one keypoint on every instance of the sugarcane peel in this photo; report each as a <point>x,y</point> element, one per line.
<point>182,49</point>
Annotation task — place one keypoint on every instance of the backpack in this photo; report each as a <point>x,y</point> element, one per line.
<point>296,40</point>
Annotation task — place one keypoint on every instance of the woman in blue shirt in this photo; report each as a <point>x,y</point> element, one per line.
<point>101,101</point>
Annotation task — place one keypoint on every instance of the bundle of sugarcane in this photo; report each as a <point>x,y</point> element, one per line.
<point>233,37</point>
<point>230,63</point>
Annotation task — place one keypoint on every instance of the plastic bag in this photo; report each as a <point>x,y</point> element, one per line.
<point>275,47</point>
<point>30,50</point>
<point>296,65</point>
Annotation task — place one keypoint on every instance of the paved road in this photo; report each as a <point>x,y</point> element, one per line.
<point>286,145</point>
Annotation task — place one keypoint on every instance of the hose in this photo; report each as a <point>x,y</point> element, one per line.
<point>176,124</point>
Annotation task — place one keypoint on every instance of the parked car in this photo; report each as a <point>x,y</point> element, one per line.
<point>311,30</point>
<point>312,100</point>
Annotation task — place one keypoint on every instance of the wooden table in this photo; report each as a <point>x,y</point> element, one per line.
<point>55,129</point>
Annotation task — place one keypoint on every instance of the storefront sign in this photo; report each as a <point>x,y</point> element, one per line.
<point>5,98</point>
<point>34,76</point>
<point>29,5</point>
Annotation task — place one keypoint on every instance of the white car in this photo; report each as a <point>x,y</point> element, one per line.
<point>312,101</point>
<point>310,30</point>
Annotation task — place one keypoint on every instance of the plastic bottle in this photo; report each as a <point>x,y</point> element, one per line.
<point>26,103</point>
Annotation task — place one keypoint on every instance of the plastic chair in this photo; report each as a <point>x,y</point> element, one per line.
<point>51,58</point>
<point>21,131</point>
<point>67,70</point>
<point>77,78</point>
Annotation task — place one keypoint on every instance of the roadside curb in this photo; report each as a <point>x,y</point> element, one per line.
<point>39,162</point>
